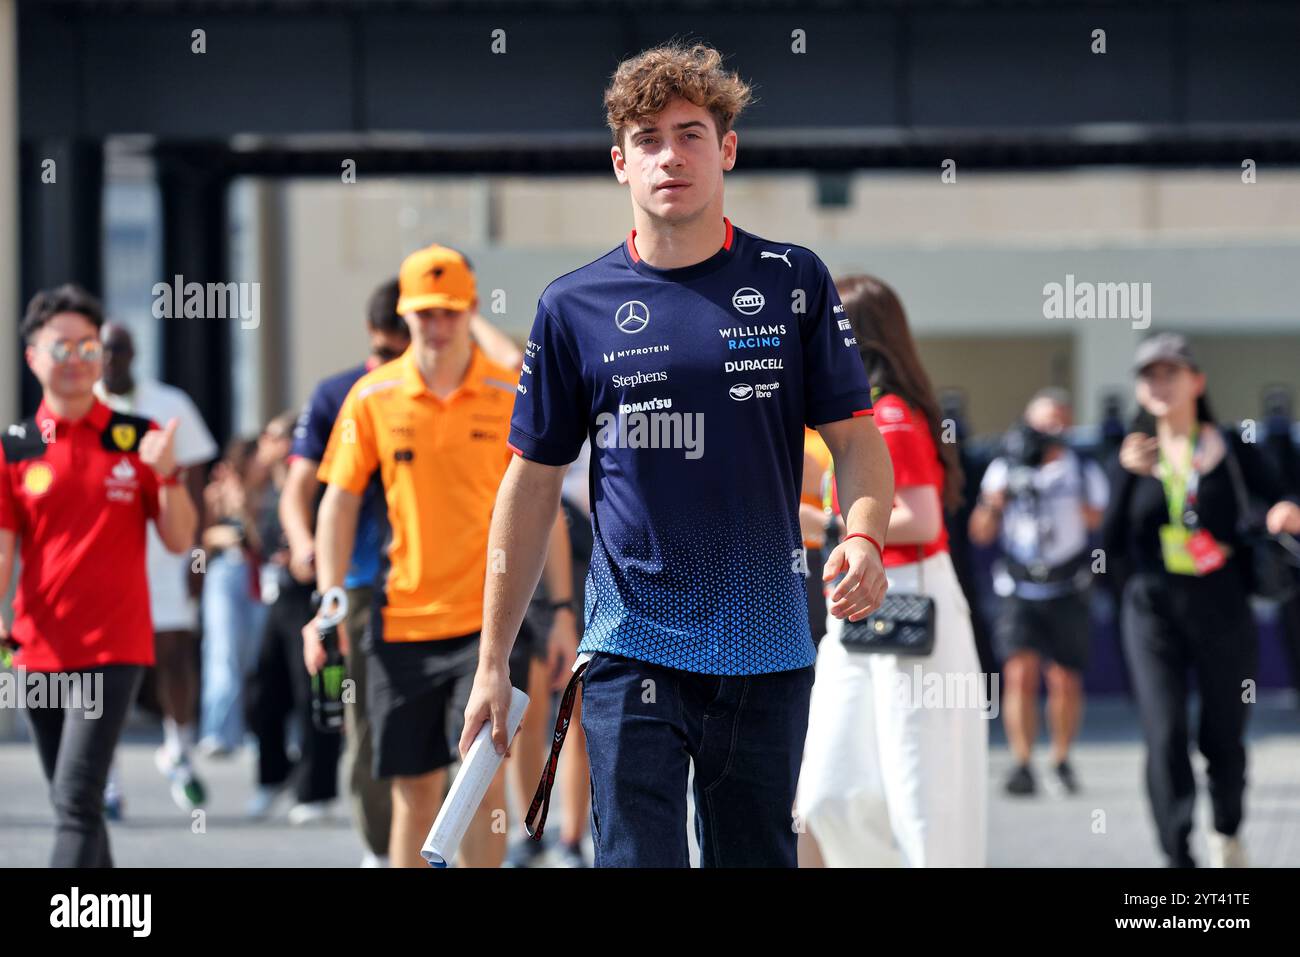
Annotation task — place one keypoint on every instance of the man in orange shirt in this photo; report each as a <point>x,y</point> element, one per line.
<point>433,423</point>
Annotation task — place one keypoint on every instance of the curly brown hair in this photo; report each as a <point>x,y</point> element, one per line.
<point>643,86</point>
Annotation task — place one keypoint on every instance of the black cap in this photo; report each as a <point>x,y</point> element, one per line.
<point>1163,347</point>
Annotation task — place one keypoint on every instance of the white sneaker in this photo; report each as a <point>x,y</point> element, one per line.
<point>1226,851</point>
<point>310,812</point>
<point>187,790</point>
<point>374,860</point>
<point>213,749</point>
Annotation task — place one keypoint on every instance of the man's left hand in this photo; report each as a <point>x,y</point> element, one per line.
<point>864,584</point>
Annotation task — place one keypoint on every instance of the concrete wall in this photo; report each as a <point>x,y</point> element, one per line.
<point>970,261</point>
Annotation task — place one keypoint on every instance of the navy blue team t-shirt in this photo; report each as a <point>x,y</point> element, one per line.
<point>311,435</point>
<point>694,386</point>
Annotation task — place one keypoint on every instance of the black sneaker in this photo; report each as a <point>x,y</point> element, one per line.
<point>1065,778</point>
<point>1021,781</point>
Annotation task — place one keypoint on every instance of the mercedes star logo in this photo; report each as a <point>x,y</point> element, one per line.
<point>632,316</point>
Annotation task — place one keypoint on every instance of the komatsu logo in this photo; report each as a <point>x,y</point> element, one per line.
<point>649,405</point>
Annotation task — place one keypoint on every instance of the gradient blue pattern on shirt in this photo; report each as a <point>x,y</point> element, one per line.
<point>697,562</point>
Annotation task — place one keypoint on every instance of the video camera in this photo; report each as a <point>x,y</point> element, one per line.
<point>1024,448</point>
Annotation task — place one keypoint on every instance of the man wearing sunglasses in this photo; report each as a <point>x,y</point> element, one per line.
<point>79,484</point>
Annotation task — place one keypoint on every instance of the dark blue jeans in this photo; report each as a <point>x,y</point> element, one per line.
<point>644,726</point>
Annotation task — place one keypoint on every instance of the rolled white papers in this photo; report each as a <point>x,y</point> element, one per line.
<point>466,794</point>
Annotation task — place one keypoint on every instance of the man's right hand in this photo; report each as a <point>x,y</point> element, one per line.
<point>489,700</point>
<point>313,649</point>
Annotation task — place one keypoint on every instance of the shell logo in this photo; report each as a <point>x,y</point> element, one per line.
<point>37,479</point>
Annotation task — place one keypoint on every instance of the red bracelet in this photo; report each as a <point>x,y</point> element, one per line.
<point>868,538</point>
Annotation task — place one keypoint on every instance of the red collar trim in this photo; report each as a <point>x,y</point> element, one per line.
<point>636,258</point>
<point>97,418</point>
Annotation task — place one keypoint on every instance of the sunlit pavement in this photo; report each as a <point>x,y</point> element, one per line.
<point>1107,825</point>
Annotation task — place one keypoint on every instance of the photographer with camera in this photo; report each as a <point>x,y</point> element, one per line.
<point>1044,500</point>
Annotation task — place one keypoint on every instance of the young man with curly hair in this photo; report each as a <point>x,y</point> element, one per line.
<point>696,644</point>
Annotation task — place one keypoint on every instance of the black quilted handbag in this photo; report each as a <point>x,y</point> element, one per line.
<point>902,625</point>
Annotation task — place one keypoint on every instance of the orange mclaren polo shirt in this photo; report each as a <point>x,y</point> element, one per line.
<point>440,461</point>
<point>814,445</point>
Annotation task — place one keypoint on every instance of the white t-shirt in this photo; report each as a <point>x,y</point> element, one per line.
<point>1054,532</point>
<point>169,598</point>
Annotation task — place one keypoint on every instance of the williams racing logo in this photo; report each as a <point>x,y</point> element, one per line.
<point>753,337</point>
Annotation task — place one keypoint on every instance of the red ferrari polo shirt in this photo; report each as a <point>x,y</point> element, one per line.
<point>78,498</point>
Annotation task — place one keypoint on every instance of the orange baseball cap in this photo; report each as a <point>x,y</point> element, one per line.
<point>436,278</point>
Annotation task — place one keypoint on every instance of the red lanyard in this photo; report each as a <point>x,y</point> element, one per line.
<point>542,799</point>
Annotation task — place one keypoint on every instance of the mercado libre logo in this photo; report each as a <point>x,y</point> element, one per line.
<point>37,479</point>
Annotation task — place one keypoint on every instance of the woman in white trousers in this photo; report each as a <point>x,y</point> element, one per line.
<point>895,767</point>
<point>890,775</point>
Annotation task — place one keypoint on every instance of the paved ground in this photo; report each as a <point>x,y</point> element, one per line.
<point>1106,826</point>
